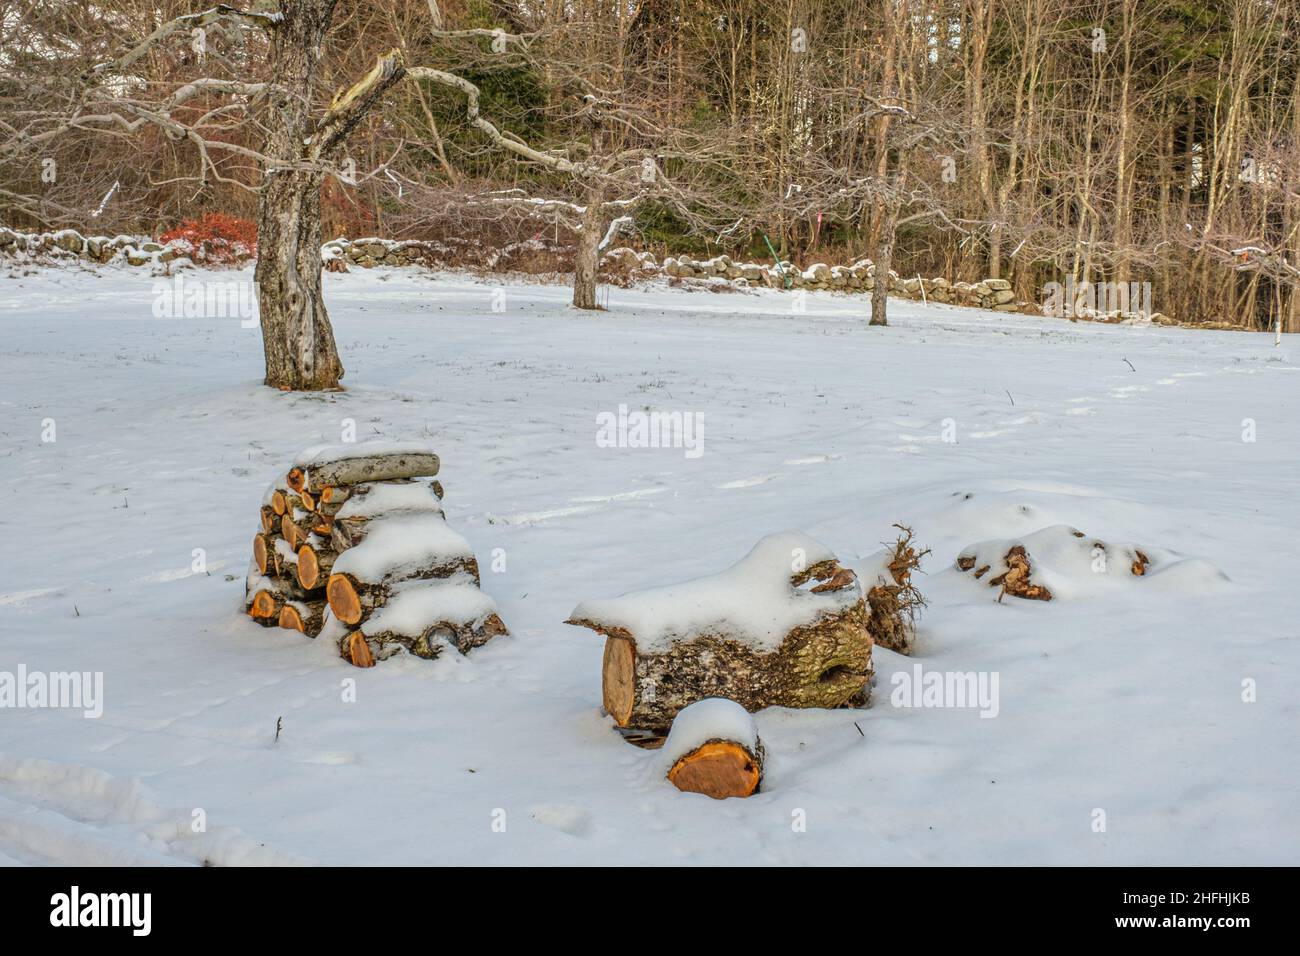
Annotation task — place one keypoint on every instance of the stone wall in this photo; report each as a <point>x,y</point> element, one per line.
<point>622,265</point>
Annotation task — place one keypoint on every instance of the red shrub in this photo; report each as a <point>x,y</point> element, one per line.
<point>215,238</point>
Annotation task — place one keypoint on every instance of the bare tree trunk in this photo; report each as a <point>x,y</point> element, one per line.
<point>882,254</point>
<point>296,332</point>
<point>587,262</point>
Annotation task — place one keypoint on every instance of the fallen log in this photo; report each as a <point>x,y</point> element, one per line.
<point>714,749</point>
<point>785,626</point>
<point>326,465</point>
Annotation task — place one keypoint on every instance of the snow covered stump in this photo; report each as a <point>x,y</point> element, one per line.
<point>354,545</point>
<point>714,749</point>
<point>786,626</point>
<point>1061,562</point>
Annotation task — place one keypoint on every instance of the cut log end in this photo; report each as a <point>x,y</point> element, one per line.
<point>261,553</point>
<point>719,769</point>
<point>296,479</point>
<point>264,606</point>
<point>619,679</point>
<point>291,619</point>
<point>312,567</point>
<point>343,598</point>
<point>359,651</point>
<point>279,502</point>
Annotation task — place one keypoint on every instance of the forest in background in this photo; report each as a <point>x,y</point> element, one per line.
<point>1033,140</point>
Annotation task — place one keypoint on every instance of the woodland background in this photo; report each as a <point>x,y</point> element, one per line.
<point>1035,140</point>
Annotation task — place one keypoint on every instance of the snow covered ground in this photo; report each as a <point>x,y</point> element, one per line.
<point>1125,700</point>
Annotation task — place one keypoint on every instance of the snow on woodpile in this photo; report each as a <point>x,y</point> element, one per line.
<point>404,546</point>
<point>354,545</point>
<point>373,498</point>
<point>425,616</point>
<point>784,626</point>
<point>1061,562</point>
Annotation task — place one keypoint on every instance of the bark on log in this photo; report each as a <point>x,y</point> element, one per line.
<point>719,769</point>
<point>354,470</point>
<point>462,636</point>
<point>270,520</point>
<point>825,663</point>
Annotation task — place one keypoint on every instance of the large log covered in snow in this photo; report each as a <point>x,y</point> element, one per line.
<point>786,626</point>
<point>326,466</point>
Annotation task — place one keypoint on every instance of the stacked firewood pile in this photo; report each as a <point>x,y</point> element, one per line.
<point>354,546</point>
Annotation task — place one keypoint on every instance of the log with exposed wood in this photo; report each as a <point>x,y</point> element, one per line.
<point>786,626</point>
<point>714,749</point>
<point>315,559</point>
<point>305,616</point>
<point>263,550</point>
<point>265,595</point>
<point>295,528</point>
<point>352,464</point>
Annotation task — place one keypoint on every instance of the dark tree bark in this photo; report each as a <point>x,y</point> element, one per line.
<point>296,333</point>
<point>882,254</point>
<point>586,266</point>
